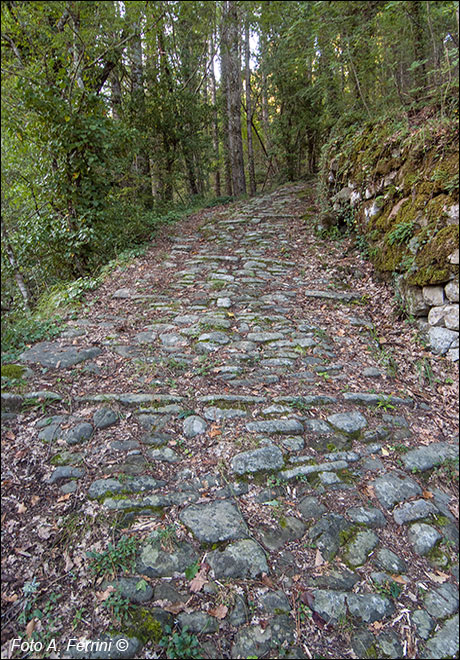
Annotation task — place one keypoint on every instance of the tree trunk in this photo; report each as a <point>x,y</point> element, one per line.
<point>226,136</point>
<point>415,13</point>
<point>215,125</point>
<point>115,95</point>
<point>247,53</point>
<point>141,164</point>
<point>15,268</point>
<point>234,97</point>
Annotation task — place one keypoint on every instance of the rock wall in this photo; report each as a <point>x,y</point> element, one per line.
<point>397,186</point>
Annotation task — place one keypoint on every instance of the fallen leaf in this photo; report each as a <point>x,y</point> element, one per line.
<point>10,599</point>
<point>34,499</point>
<point>10,435</point>
<point>214,431</point>
<point>103,595</point>
<point>220,612</point>
<point>199,580</point>
<point>30,628</point>
<point>21,507</point>
<point>438,577</point>
<point>385,452</point>
<point>65,497</point>
<point>319,559</point>
<point>377,625</point>
<point>369,490</point>
<point>268,582</point>
<point>453,506</point>
<point>399,579</point>
<point>68,562</point>
<point>427,494</point>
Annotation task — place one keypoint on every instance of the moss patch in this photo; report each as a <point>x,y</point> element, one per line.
<point>144,625</point>
<point>13,371</point>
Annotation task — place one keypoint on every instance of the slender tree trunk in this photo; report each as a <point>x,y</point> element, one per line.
<point>115,95</point>
<point>415,13</point>
<point>234,95</point>
<point>247,53</point>
<point>141,164</point>
<point>226,136</point>
<point>24,291</point>
<point>215,124</point>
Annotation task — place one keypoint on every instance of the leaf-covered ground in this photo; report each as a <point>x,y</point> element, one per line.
<point>237,316</point>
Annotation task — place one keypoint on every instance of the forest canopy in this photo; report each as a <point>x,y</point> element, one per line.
<point>118,115</point>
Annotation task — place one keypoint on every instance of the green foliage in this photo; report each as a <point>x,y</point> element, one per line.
<point>402,233</point>
<point>389,588</point>
<point>117,605</point>
<point>17,334</point>
<point>180,644</point>
<point>192,570</point>
<point>117,558</point>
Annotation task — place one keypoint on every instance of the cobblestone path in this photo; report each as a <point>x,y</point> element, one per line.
<point>232,407</point>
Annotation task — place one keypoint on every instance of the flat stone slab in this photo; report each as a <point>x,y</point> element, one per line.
<point>257,460</point>
<point>105,417</point>
<point>243,559</point>
<point>65,472</point>
<point>311,507</point>
<point>333,605</point>
<point>193,426</point>
<point>129,588</point>
<point>359,549</point>
<point>367,399</point>
<point>156,562</point>
<point>198,622</point>
<point>423,537</point>
<point>442,602</point>
<point>214,521</point>
<point>326,533</point>
<point>444,644</point>
<point>290,529</point>
<point>275,426</point>
<point>302,470</point>
<point>131,398</point>
<point>390,561</point>
<point>391,489</point>
<point>425,458</point>
<point>263,337</point>
<point>51,354</point>
<point>350,423</point>
<point>107,487</point>
<point>371,517</point>
<point>231,398</point>
<point>411,511</point>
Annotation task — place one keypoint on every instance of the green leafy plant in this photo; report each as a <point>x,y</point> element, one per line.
<point>402,233</point>
<point>118,606</point>
<point>389,588</point>
<point>180,644</point>
<point>192,570</point>
<point>117,558</point>
<point>385,403</point>
<point>166,537</point>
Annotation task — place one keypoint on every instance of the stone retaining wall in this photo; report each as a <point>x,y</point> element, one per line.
<point>399,192</point>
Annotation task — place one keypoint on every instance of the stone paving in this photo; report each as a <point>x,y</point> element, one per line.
<point>252,417</point>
